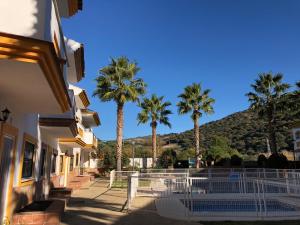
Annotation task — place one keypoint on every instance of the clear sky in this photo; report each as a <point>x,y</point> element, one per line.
<point>223,44</point>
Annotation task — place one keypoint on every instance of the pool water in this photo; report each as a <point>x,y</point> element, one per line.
<point>236,206</point>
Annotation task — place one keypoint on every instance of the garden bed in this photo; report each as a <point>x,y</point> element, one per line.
<point>40,212</point>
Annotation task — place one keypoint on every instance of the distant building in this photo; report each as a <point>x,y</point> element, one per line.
<point>142,163</point>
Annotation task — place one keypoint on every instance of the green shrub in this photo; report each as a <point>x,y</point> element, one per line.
<point>262,161</point>
<point>277,161</point>
<point>236,160</point>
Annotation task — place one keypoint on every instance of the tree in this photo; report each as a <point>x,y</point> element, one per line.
<point>154,109</point>
<point>194,100</point>
<point>220,149</point>
<point>167,158</point>
<point>116,82</point>
<point>268,91</point>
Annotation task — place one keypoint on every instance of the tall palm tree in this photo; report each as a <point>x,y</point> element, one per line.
<point>154,109</point>
<point>196,101</point>
<point>116,82</point>
<point>268,92</point>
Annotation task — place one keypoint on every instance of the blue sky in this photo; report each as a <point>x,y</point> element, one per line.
<point>223,44</point>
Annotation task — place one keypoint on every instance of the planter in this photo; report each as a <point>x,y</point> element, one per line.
<point>62,192</point>
<point>40,212</point>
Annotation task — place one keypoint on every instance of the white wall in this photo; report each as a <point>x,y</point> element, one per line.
<point>25,17</point>
<point>141,162</point>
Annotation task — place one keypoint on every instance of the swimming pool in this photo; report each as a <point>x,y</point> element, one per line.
<point>245,205</point>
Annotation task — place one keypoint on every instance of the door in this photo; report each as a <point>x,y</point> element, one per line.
<point>7,154</point>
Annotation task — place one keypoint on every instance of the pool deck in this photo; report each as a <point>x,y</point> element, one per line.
<point>97,205</point>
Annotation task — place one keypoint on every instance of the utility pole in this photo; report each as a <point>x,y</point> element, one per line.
<point>132,154</point>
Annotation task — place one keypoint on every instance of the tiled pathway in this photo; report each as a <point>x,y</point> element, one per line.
<point>97,204</point>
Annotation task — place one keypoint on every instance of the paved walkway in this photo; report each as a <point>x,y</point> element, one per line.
<point>97,205</point>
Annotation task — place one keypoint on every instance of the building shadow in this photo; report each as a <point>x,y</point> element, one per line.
<point>108,208</point>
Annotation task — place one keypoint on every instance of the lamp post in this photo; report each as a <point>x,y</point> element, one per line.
<point>5,115</point>
<point>132,154</point>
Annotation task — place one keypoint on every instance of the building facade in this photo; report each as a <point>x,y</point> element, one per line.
<point>47,138</point>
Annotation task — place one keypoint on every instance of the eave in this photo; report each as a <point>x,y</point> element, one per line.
<point>84,98</point>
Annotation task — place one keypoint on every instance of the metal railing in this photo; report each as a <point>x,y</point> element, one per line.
<point>119,179</point>
<point>220,194</point>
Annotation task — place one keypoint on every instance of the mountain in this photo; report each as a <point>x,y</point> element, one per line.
<point>244,130</point>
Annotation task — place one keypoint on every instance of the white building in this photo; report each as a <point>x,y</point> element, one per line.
<point>141,163</point>
<point>48,135</point>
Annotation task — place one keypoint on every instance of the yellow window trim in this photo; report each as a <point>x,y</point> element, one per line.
<point>32,140</point>
<point>13,131</point>
<point>30,50</point>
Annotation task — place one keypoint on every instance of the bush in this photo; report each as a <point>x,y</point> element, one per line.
<point>225,162</point>
<point>262,161</point>
<point>236,160</point>
<point>277,161</point>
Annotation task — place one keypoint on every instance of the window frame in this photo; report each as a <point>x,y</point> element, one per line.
<point>27,181</point>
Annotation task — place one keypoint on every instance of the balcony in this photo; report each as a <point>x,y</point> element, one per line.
<point>32,50</point>
<point>90,118</point>
<point>81,98</point>
<point>90,140</point>
<point>75,52</point>
<point>68,8</point>
<point>60,125</point>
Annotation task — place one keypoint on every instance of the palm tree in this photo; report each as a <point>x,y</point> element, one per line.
<point>194,100</point>
<point>154,109</point>
<point>268,92</point>
<point>116,82</point>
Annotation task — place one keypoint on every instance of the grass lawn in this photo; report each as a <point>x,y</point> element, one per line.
<point>123,183</point>
<point>295,222</point>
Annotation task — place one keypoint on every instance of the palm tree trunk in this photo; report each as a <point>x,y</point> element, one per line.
<point>272,132</point>
<point>154,145</point>
<point>197,141</point>
<point>120,124</point>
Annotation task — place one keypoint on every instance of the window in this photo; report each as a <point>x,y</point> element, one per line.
<point>27,168</point>
<point>61,164</point>
<point>43,158</point>
<point>71,163</point>
<point>53,163</point>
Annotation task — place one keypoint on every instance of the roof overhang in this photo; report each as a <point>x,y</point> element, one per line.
<point>90,118</point>
<point>68,8</point>
<point>76,67</point>
<point>59,127</point>
<point>31,75</point>
<point>83,98</point>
